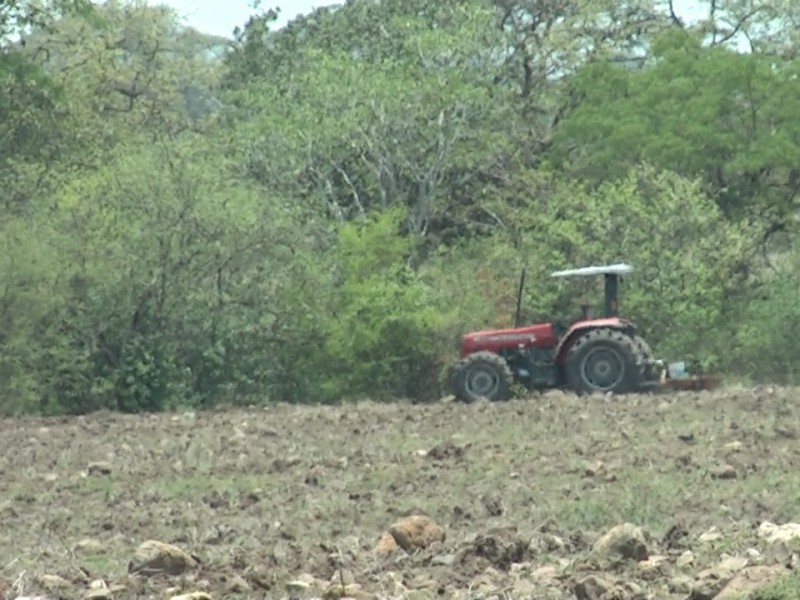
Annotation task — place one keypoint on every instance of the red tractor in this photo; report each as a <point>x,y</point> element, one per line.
<point>589,355</point>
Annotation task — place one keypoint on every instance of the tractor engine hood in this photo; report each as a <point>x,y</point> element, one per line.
<point>496,340</point>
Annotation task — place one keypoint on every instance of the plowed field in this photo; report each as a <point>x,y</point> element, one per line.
<point>293,501</point>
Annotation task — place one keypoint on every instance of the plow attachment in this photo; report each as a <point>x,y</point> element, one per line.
<point>675,377</point>
<point>693,383</point>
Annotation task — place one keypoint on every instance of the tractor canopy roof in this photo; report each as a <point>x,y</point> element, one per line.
<point>618,269</point>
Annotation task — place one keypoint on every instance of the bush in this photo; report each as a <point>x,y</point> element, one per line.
<point>375,319</point>
<point>768,332</point>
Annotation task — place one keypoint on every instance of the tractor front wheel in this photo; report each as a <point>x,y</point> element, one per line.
<point>482,375</point>
<point>603,360</point>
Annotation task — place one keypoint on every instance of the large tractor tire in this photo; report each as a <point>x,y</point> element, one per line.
<point>643,347</point>
<point>651,372</point>
<point>482,375</point>
<point>604,360</point>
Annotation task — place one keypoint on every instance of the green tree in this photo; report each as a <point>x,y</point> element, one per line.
<point>702,112</point>
<point>768,326</point>
<point>133,68</point>
<point>30,99</point>
<point>424,103</point>
<point>347,136</point>
<point>150,282</point>
<point>376,321</point>
<point>82,84</point>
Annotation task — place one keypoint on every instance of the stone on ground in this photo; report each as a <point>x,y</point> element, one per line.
<point>154,557</point>
<point>415,532</point>
<point>625,541</point>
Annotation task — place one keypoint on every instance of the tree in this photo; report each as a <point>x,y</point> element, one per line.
<point>149,282</point>
<point>19,17</point>
<point>768,329</point>
<point>132,67</point>
<point>83,85</point>
<point>455,96</point>
<point>702,112</point>
<point>764,27</point>
<point>420,125</point>
<point>29,98</point>
<point>374,322</point>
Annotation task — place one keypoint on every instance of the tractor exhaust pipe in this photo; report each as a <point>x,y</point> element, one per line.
<point>611,307</point>
<point>519,298</point>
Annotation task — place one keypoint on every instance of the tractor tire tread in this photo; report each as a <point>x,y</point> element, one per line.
<point>497,361</point>
<point>632,350</point>
<point>644,348</point>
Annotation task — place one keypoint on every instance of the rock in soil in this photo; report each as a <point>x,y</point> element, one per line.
<point>625,541</point>
<point>154,557</point>
<point>99,468</point>
<point>498,548</point>
<point>593,587</point>
<point>415,532</point>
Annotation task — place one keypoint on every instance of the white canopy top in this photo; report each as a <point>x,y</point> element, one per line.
<point>618,269</point>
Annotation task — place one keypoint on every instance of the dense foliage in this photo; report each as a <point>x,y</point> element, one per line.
<point>318,212</point>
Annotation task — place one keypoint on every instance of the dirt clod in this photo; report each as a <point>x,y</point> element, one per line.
<point>446,450</point>
<point>498,548</point>
<point>773,533</point>
<point>493,504</point>
<point>685,559</point>
<point>99,468</point>
<point>416,532</point>
<point>593,587</point>
<point>386,545</point>
<point>750,580</point>
<point>709,583</point>
<point>724,472</point>
<point>237,585</point>
<point>89,547</point>
<point>54,583</point>
<point>154,557</point>
<point>351,590</point>
<point>100,593</point>
<point>625,541</point>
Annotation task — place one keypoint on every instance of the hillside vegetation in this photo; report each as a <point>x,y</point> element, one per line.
<point>318,212</point>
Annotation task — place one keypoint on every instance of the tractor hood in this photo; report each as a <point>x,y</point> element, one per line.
<point>497,339</point>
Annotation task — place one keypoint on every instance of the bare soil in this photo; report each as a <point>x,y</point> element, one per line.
<point>290,501</point>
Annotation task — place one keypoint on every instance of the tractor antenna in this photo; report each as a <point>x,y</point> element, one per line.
<point>519,298</point>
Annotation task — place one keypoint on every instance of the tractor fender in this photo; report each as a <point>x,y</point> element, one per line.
<point>581,327</point>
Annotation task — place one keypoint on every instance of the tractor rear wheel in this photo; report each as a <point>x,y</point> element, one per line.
<point>643,346</point>
<point>650,372</point>
<point>604,360</point>
<point>482,375</point>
